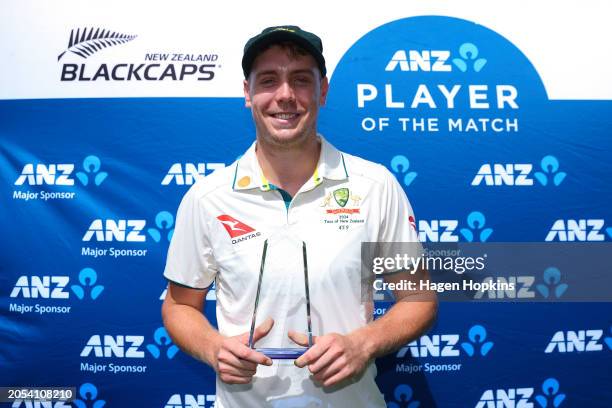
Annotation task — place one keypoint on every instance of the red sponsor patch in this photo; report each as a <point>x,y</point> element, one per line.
<point>234,227</point>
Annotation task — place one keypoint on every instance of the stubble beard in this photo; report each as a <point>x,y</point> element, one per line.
<point>282,144</point>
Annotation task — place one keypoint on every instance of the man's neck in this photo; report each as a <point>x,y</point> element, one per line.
<point>289,169</point>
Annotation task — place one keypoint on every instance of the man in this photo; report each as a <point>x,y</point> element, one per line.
<point>293,181</point>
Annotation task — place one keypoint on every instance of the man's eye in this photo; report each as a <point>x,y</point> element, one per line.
<point>302,80</point>
<point>267,81</point>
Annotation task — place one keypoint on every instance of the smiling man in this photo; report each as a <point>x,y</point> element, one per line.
<point>291,180</point>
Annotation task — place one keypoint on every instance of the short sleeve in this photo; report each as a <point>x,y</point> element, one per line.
<point>398,223</point>
<point>190,260</point>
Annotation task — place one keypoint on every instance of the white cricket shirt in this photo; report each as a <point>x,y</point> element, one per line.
<point>222,223</point>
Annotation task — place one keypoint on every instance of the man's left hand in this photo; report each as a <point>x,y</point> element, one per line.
<point>333,357</point>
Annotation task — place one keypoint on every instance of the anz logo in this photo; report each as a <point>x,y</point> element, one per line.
<point>61,174</point>
<point>579,341</point>
<point>46,174</point>
<point>191,401</point>
<point>122,230</point>
<point>88,394</point>
<point>54,287</point>
<point>525,286</point>
<point>571,230</point>
<point>45,287</point>
<point>403,397</point>
<point>438,230</point>
<point>130,346</point>
<point>428,60</point>
<point>522,288</point>
<point>448,231</point>
<point>510,397</point>
<point>523,397</point>
<point>437,345</point>
<point>185,174</point>
<point>516,174</point>
<point>436,60</point>
<point>504,175</point>
<point>449,345</point>
<point>114,346</point>
<point>116,230</point>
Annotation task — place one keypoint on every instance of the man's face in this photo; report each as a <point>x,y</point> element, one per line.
<point>284,93</point>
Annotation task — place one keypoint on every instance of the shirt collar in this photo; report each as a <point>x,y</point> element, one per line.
<point>331,166</point>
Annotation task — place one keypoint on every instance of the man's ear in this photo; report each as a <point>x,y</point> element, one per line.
<point>247,95</point>
<point>324,89</point>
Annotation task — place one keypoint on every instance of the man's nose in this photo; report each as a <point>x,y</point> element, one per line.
<point>285,92</point>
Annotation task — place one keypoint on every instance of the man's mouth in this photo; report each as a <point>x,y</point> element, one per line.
<point>285,115</point>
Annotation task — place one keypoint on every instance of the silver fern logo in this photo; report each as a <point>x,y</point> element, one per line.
<point>87,41</point>
<point>152,65</point>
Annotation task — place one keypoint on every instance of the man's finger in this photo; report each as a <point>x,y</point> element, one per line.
<point>298,338</point>
<point>243,352</point>
<point>228,357</point>
<point>331,356</point>
<point>263,329</point>
<point>227,369</point>
<point>329,371</point>
<point>232,379</point>
<point>338,377</point>
<point>312,354</point>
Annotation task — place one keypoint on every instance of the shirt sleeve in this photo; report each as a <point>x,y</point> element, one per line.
<point>190,260</point>
<point>398,223</point>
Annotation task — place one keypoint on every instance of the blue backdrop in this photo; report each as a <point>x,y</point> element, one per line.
<point>457,112</point>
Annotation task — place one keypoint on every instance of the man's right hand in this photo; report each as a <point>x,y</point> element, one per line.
<point>236,363</point>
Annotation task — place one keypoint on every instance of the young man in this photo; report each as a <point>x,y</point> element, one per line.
<point>293,181</point>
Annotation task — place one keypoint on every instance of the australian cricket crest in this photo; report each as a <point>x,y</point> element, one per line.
<point>342,208</point>
<point>341,196</point>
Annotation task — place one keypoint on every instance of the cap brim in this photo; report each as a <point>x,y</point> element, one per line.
<point>277,37</point>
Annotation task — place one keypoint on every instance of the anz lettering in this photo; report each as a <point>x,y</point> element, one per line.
<point>46,287</point>
<point>52,174</point>
<point>438,345</point>
<point>427,60</point>
<point>188,173</point>
<point>438,230</point>
<point>191,401</point>
<point>116,230</point>
<point>575,341</point>
<point>511,397</point>
<point>577,230</point>
<point>504,175</point>
<point>114,346</point>
<point>521,284</point>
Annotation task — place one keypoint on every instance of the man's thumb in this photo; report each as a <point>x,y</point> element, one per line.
<point>263,329</point>
<point>298,338</point>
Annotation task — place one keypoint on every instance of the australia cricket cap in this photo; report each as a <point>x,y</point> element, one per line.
<point>273,35</point>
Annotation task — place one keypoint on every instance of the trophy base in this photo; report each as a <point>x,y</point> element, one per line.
<point>282,353</point>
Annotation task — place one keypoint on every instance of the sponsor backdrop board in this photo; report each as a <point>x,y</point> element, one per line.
<point>496,123</point>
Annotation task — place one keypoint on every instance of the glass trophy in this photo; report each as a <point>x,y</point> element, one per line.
<point>283,287</point>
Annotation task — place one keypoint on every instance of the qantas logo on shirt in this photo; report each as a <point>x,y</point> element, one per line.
<point>412,222</point>
<point>237,229</point>
<point>234,227</point>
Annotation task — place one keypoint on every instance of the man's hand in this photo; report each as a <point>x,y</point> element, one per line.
<point>333,357</point>
<point>235,362</point>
